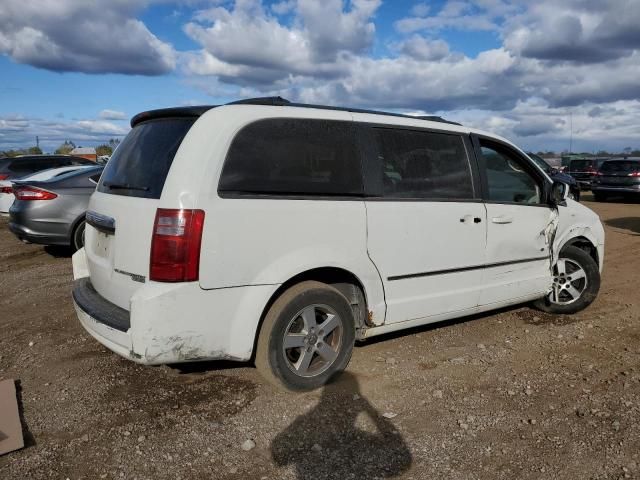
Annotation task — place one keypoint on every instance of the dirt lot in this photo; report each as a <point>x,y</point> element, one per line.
<point>517,394</point>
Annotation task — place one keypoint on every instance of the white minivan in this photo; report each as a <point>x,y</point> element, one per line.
<point>282,233</point>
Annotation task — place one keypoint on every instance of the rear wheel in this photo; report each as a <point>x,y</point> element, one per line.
<point>77,238</point>
<point>576,282</point>
<point>307,337</point>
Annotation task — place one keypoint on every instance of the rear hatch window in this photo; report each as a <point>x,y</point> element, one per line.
<point>620,167</point>
<point>580,165</point>
<point>140,164</point>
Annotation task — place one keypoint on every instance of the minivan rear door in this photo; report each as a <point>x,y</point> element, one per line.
<point>122,210</point>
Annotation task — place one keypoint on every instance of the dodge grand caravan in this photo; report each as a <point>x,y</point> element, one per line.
<point>282,233</point>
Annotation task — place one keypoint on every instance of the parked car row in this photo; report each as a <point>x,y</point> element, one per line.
<point>48,205</point>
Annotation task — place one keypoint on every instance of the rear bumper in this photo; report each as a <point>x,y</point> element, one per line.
<point>172,322</point>
<point>26,234</point>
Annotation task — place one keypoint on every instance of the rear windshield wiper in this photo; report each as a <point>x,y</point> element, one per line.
<point>125,186</point>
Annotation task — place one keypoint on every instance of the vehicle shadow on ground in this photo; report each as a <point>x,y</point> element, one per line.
<point>342,437</point>
<point>58,251</point>
<point>405,332</point>
<point>625,223</point>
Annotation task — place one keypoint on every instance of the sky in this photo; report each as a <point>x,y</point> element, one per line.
<point>536,72</point>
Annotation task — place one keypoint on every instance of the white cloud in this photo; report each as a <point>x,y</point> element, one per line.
<point>320,43</point>
<point>98,36</point>
<point>112,115</point>
<point>583,31</point>
<point>17,132</point>
<point>421,48</point>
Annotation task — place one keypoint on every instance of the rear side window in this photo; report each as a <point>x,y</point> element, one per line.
<point>29,165</point>
<point>418,164</point>
<point>620,167</point>
<point>140,164</point>
<point>579,165</point>
<point>293,157</point>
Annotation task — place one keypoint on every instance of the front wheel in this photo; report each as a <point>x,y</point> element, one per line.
<point>576,282</point>
<point>307,337</point>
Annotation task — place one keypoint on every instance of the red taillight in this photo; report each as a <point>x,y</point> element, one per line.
<point>634,174</point>
<point>175,245</point>
<point>4,176</point>
<point>6,189</point>
<point>32,193</point>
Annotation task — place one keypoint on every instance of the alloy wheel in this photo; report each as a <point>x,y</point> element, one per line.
<point>312,340</point>
<point>569,282</point>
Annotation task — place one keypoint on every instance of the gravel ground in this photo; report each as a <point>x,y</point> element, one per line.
<point>515,394</point>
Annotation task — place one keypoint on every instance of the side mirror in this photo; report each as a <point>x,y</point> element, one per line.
<point>559,193</point>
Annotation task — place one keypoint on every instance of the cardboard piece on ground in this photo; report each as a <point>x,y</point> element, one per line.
<point>10,426</point>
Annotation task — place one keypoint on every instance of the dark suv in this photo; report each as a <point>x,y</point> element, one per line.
<point>619,176</point>
<point>584,170</point>
<point>17,167</point>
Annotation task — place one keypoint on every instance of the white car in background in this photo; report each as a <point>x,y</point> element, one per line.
<point>6,186</point>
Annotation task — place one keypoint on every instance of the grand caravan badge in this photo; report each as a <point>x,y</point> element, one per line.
<point>134,276</point>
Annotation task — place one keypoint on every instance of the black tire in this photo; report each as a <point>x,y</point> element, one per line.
<point>599,197</point>
<point>277,364</point>
<point>77,237</point>
<point>577,256</point>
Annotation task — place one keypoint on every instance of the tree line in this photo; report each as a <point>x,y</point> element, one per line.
<point>64,149</point>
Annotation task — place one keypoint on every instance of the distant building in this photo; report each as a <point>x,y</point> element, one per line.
<point>85,152</point>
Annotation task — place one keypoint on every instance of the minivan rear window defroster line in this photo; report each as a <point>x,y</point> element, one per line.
<point>465,269</point>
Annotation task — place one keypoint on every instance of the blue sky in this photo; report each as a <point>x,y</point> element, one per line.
<point>79,70</point>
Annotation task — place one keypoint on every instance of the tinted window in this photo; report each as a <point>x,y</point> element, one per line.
<point>620,167</point>
<point>507,178</point>
<point>28,165</point>
<point>579,165</point>
<point>295,157</point>
<point>140,164</point>
<point>423,165</point>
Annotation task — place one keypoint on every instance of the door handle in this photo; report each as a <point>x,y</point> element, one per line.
<point>502,219</point>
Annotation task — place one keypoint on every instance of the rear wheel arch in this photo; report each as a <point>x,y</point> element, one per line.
<point>347,283</point>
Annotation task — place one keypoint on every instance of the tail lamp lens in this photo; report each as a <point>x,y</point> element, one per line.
<point>4,176</point>
<point>33,193</point>
<point>6,190</point>
<point>175,246</point>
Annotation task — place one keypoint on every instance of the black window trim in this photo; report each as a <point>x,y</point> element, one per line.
<point>524,161</point>
<point>237,194</point>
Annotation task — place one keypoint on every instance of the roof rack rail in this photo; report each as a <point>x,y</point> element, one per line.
<point>274,101</point>
<point>283,102</point>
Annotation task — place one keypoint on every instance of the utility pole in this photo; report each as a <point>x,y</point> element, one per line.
<point>571,133</point>
<point>37,141</point>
